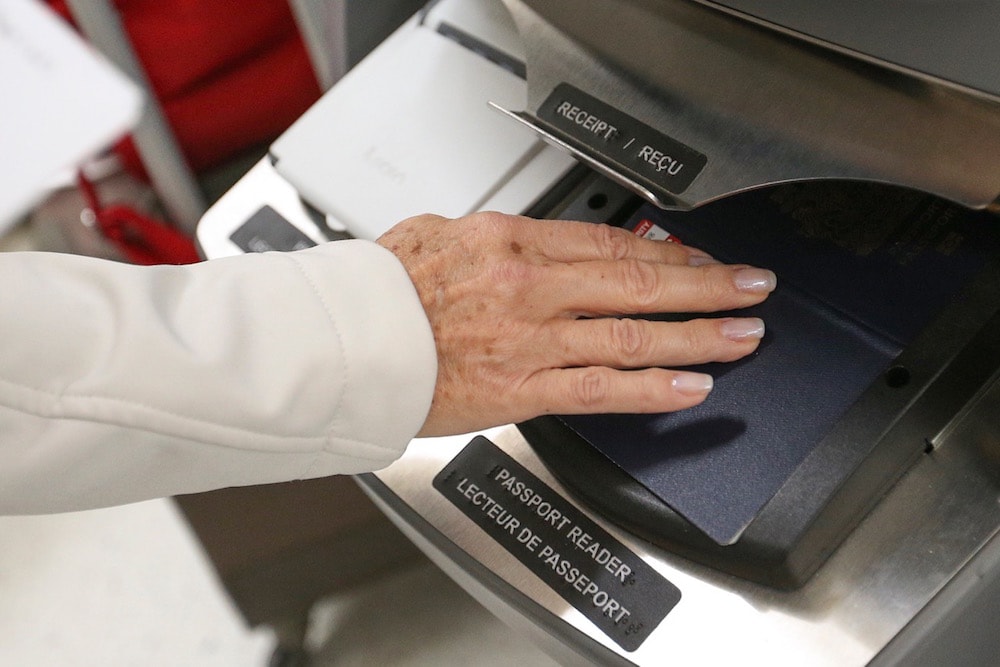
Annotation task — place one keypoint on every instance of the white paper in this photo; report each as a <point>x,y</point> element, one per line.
<point>60,104</point>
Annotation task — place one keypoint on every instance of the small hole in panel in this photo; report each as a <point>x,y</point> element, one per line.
<point>897,376</point>
<point>598,201</point>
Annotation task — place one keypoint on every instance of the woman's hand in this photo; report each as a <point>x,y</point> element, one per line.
<point>526,317</point>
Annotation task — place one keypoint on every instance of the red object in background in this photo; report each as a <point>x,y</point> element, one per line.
<point>228,75</point>
<point>140,238</point>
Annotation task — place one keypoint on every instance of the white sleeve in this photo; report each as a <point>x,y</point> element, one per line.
<point>121,383</point>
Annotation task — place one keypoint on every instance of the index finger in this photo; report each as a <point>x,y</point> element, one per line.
<point>572,241</point>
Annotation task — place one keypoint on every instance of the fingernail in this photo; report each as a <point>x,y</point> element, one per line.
<point>692,384</point>
<point>742,328</point>
<point>755,280</point>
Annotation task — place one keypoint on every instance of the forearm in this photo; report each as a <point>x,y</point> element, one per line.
<point>119,383</point>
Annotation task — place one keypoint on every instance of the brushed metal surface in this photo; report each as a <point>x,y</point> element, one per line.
<point>921,534</point>
<point>764,107</point>
<point>953,42</point>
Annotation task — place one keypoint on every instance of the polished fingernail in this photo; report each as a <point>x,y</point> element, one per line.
<point>755,280</point>
<point>742,328</point>
<point>692,383</point>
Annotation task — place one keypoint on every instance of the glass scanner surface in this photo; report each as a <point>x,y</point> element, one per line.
<point>862,270</point>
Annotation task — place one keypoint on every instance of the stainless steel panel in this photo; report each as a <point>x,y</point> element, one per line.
<point>764,107</point>
<point>924,531</point>
<point>954,42</point>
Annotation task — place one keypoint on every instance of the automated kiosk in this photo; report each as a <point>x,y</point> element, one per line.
<point>835,501</point>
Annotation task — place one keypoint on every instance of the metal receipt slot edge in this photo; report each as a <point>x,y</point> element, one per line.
<point>765,106</point>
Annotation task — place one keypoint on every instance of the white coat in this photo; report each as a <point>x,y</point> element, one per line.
<point>121,383</point>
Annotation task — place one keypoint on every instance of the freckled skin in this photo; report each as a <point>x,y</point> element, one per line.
<point>523,314</point>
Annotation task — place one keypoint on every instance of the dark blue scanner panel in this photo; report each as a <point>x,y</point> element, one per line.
<point>854,289</point>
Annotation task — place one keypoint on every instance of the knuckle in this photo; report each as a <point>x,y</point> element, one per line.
<point>642,284</point>
<point>591,389</point>
<point>488,225</point>
<point>512,274</point>
<point>629,339</point>
<point>613,243</point>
